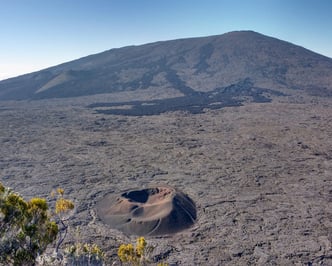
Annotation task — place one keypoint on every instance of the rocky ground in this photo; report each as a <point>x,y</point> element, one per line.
<point>260,174</point>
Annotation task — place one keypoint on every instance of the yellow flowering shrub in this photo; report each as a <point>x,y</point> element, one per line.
<point>60,191</point>
<point>127,253</point>
<point>138,255</point>
<point>140,247</point>
<point>63,205</point>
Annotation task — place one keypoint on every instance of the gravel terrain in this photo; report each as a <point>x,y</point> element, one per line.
<point>260,174</point>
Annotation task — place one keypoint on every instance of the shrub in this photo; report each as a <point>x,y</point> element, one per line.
<point>69,254</point>
<point>62,206</point>
<point>25,228</point>
<point>138,255</point>
<point>84,254</point>
<point>133,255</point>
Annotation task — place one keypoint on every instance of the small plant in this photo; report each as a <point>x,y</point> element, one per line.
<point>84,254</point>
<point>62,206</point>
<point>138,255</point>
<point>133,255</point>
<point>25,228</point>
<point>69,254</point>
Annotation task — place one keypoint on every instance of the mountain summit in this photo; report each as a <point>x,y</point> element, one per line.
<point>183,67</point>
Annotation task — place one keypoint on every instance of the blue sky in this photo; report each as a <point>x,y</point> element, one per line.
<point>35,34</point>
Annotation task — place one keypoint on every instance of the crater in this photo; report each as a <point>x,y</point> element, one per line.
<point>161,210</point>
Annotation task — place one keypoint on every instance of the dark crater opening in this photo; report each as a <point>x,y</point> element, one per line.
<point>138,196</point>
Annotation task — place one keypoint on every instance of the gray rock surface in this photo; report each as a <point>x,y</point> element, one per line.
<point>260,174</point>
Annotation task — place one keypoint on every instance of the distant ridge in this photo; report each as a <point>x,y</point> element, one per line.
<point>182,67</point>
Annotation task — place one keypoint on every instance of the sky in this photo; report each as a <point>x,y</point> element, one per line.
<point>36,34</point>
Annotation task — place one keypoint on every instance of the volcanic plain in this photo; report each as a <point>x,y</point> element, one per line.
<point>260,174</point>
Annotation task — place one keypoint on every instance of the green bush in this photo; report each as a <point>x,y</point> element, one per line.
<point>25,228</point>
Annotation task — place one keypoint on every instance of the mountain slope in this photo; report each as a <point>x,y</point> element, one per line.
<point>182,67</point>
